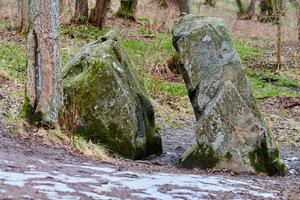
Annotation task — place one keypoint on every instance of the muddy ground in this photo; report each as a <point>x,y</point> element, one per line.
<point>33,171</point>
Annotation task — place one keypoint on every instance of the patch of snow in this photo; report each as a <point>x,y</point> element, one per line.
<point>42,161</point>
<point>102,169</point>
<point>97,196</point>
<point>52,186</point>
<point>6,161</point>
<point>2,191</point>
<point>293,159</point>
<point>148,185</point>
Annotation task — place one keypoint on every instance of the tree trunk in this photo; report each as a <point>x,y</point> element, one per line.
<point>299,23</point>
<point>267,11</point>
<point>81,12</point>
<point>278,8</point>
<point>161,3</point>
<point>246,14</point>
<point>25,16</point>
<point>44,86</point>
<point>184,6</point>
<point>211,3</point>
<point>127,9</point>
<point>251,9</point>
<point>98,14</point>
<point>241,8</point>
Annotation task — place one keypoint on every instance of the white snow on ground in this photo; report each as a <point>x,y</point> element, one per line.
<point>142,185</point>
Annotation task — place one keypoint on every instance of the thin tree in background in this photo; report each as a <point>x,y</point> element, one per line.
<point>245,13</point>
<point>25,16</point>
<point>278,4</point>
<point>298,23</point>
<point>184,6</point>
<point>99,13</point>
<point>127,9</point>
<point>241,7</point>
<point>81,12</point>
<point>44,87</point>
<point>267,8</point>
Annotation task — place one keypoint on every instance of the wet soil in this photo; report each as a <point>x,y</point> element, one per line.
<point>30,170</point>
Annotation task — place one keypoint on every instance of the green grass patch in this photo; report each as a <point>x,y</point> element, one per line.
<point>269,84</point>
<point>13,60</point>
<point>262,89</point>
<point>149,53</point>
<point>274,78</point>
<point>245,52</point>
<point>81,33</point>
<point>4,24</point>
<point>167,88</point>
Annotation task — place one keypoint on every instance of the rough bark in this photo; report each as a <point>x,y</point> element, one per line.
<point>299,23</point>
<point>241,8</point>
<point>211,3</point>
<point>99,13</point>
<point>161,3</point>
<point>267,11</point>
<point>81,11</point>
<point>243,13</point>
<point>184,6</point>
<point>127,9</point>
<point>278,10</point>
<point>25,17</point>
<point>44,88</point>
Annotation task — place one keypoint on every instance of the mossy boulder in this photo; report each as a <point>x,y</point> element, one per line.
<point>106,102</point>
<point>230,130</point>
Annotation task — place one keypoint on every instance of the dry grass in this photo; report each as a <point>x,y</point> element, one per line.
<point>251,29</point>
<point>9,10</point>
<point>55,138</point>
<point>161,19</point>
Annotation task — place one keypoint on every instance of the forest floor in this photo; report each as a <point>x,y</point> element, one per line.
<point>44,164</point>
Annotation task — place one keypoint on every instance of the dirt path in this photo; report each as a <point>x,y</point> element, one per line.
<point>34,171</point>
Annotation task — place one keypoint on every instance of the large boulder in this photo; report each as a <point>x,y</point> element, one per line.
<point>105,101</point>
<point>230,130</point>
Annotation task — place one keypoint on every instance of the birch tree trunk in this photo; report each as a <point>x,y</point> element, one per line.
<point>127,9</point>
<point>25,16</point>
<point>81,11</point>
<point>44,86</point>
<point>99,13</point>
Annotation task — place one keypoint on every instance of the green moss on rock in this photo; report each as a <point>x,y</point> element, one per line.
<point>26,108</point>
<point>106,102</point>
<point>228,156</point>
<point>202,156</point>
<point>264,161</point>
<point>27,113</point>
